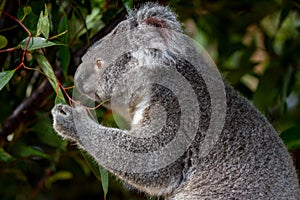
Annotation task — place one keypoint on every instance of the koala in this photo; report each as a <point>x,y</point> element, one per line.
<point>190,134</point>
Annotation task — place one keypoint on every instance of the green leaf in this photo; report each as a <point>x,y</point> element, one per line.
<point>59,99</point>
<point>47,69</point>
<point>46,134</point>
<point>25,151</point>
<point>61,175</point>
<point>64,52</point>
<point>291,137</point>
<point>27,10</point>
<point>92,164</point>
<point>5,77</point>
<point>82,163</point>
<point>271,82</point>
<point>244,66</point>
<point>65,58</point>
<point>5,157</point>
<point>62,27</point>
<point>3,41</point>
<point>128,4</point>
<point>287,86</point>
<point>286,8</point>
<point>43,25</point>
<point>37,43</point>
<point>104,180</point>
<point>98,171</point>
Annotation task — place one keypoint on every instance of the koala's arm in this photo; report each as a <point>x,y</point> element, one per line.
<point>75,124</point>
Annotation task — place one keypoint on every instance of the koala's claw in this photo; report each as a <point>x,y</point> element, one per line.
<point>61,109</point>
<point>63,121</point>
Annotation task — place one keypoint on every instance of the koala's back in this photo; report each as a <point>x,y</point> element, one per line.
<point>248,162</point>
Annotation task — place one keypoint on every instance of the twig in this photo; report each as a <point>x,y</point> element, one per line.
<point>22,64</point>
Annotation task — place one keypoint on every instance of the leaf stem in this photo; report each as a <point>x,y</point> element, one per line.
<point>27,43</point>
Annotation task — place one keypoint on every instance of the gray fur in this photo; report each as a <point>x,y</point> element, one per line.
<point>249,161</point>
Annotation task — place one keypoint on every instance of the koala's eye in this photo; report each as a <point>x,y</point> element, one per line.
<point>99,63</point>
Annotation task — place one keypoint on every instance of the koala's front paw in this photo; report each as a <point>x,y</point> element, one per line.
<point>63,122</point>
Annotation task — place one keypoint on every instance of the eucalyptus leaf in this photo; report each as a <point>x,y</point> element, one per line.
<point>284,13</point>
<point>37,43</point>
<point>61,175</point>
<point>3,41</point>
<point>47,69</point>
<point>98,171</point>
<point>46,134</point>
<point>64,51</point>
<point>43,25</point>
<point>27,10</point>
<point>128,4</point>
<point>92,164</point>
<point>5,77</point>
<point>104,180</point>
<point>271,83</point>
<point>25,151</point>
<point>5,157</point>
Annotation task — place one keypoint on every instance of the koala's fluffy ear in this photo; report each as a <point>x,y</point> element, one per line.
<point>155,15</point>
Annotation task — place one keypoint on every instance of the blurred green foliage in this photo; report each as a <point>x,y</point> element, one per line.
<point>255,44</point>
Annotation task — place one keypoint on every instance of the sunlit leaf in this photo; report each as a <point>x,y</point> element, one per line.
<point>43,25</point>
<point>5,77</point>
<point>3,41</point>
<point>5,157</point>
<point>37,43</point>
<point>291,137</point>
<point>48,70</point>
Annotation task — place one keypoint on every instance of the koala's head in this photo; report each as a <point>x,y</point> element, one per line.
<point>127,47</point>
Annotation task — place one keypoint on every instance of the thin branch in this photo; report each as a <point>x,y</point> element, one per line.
<point>16,20</point>
<point>27,43</point>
